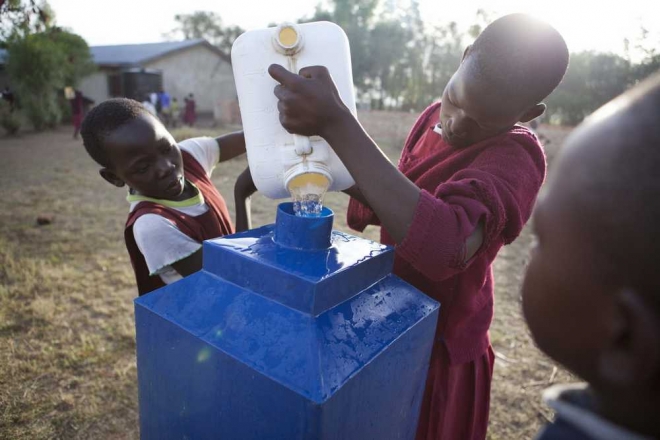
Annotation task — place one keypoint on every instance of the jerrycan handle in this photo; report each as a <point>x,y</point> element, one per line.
<point>288,40</point>
<point>303,145</point>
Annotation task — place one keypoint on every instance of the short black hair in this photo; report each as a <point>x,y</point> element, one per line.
<point>103,120</point>
<point>522,56</point>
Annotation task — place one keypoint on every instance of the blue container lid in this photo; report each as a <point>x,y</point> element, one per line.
<point>303,233</point>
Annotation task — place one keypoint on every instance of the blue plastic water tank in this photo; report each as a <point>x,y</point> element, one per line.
<point>290,331</point>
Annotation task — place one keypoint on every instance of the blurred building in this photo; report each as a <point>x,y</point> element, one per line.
<point>178,67</point>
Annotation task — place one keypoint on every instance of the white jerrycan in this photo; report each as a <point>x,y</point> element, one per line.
<point>282,163</point>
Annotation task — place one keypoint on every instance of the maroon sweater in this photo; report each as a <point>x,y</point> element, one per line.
<point>213,223</point>
<point>495,181</point>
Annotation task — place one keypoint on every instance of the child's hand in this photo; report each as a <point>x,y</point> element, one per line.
<point>309,102</point>
<point>243,189</point>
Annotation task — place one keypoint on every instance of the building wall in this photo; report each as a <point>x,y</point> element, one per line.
<point>201,71</point>
<point>95,86</point>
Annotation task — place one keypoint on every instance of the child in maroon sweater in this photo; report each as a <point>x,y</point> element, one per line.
<point>174,206</point>
<point>465,186</point>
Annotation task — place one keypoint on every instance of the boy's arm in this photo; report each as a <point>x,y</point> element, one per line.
<point>354,192</point>
<point>243,189</point>
<point>489,201</point>
<point>359,214</point>
<point>163,244</point>
<point>310,105</point>
<point>231,145</point>
<point>190,264</point>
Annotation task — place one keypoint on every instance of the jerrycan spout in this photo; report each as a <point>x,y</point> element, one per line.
<point>303,233</point>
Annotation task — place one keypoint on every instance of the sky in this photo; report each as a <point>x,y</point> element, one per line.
<point>585,25</point>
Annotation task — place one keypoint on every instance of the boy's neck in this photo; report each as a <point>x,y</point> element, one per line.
<point>189,191</point>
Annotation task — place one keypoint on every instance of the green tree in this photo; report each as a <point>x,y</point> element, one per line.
<point>320,14</point>
<point>646,68</point>
<point>34,64</point>
<point>355,17</point>
<point>77,58</point>
<point>22,17</point>
<point>40,65</point>
<point>387,47</point>
<point>647,46</point>
<point>592,79</point>
<point>482,18</point>
<point>207,25</point>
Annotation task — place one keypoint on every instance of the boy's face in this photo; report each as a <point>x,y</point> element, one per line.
<point>588,294</point>
<point>144,156</point>
<point>473,111</point>
<point>564,301</point>
<point>578,301</point>
<point>466,115</point>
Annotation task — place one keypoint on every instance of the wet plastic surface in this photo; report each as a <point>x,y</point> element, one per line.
<point>290,331</point>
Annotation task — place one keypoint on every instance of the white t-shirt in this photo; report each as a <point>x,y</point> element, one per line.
<point>159,239</point>
<point>150,107</point>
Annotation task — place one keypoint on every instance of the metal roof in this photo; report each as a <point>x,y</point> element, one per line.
<point>135,54</point>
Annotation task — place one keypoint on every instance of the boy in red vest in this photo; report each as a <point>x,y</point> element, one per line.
<point>465,186</point>
<point>174,206</point>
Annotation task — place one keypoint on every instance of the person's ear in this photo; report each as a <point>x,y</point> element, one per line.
<point>533,112</point>
<point>111,177</point>
<point>631,346</point>
<point>466,52</point>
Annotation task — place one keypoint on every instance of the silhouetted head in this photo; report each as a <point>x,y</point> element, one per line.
<point>591,295</point>
<point>512,66</point>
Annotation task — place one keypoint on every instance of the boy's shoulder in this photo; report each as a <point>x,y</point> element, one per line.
<point>518,142</point>
<point>204,150</point>
<point>521,135</point>
<point>146,207</point>
<point>576,419</point>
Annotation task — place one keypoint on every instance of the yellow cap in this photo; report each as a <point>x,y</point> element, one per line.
<point>288,36</point>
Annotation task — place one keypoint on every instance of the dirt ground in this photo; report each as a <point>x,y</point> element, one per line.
<point>67,347</point>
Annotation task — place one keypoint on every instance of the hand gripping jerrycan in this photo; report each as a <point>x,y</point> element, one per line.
<point>281,163</point>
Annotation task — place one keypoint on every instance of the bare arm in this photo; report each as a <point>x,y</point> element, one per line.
<point>243,189</point>
<point>190,264</point>
<point>231,145</point>
<point>354,191</point>
<point>309,104</point>
<point>389,193</point>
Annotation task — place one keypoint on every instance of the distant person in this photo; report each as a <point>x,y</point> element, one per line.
<point>465,186</point>
<point>148,104</point>
<point>175,113</point>
<point>173,205</point>
<point>165,112</point>
<point>78,103</point>
<point>153,97</point>
<point>591,295</point>
<point>190,112</point>
<point>8,96</point>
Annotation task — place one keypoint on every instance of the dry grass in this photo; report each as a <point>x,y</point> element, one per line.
<point>66,315</point>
